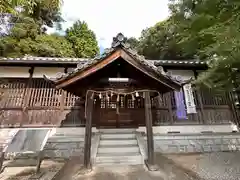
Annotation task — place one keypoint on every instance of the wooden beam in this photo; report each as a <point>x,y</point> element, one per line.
<point>150,143</point>
<point>149,72</point>
<point>90,70</point>
<point>88,131</point>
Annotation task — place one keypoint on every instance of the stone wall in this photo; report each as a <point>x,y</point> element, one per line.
<point>61,143</point>
<point>64,147</point>
<point>195,143</point>
<point>190,129</point>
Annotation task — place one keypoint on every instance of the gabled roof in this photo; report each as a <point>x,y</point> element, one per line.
<point>119,49</point>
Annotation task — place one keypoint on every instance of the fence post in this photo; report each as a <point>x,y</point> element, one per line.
<point>199,97</point>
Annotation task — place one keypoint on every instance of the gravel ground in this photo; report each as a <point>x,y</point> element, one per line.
<point>211,166</point>
<point>173,170</point>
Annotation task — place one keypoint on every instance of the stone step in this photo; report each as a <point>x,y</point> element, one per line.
<point>65,139</point>
<point>117,163</point>
<point>117,131</point>
<point>118,136</point>
<point>117,149</point>
<point>123,159</point>
<point>118,142</point>
<point>121,154</point>
<point>118,146</point>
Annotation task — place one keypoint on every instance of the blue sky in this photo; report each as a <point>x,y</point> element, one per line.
<point>108,17</point>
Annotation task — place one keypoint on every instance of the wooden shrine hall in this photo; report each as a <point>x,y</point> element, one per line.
<point>108,85</point>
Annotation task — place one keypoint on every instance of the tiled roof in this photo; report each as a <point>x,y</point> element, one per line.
<point>118,42</point>
<point>76,60</point>
<point>42,59</point>
<point>170,62</point>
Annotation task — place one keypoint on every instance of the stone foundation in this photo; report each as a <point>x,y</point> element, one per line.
<point>66,142</point>
<point>196,143</point>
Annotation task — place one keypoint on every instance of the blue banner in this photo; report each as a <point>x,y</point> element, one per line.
<point>180,105</point>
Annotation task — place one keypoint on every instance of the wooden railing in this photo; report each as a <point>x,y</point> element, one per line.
<point>34,102</point>
<point>212,108</point>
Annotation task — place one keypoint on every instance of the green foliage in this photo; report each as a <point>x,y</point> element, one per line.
<point>25,38</point>
<point>53,46</point>
<point>20,39</point>
<point>83,40</point>
<point>9,6</point>
<point>161,42</point>
<point>43,45</point>
<point>211,29</point>
<point>43,12</point>
<point>205,29</point>
<point>133,42</point>
<point>47,12</point>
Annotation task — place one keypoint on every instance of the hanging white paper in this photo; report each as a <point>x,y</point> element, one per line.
<point>189,99</point>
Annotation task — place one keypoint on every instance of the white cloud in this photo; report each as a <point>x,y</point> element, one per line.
<point>109,17</point>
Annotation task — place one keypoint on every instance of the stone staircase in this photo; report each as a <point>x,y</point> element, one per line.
<point>118,147</point>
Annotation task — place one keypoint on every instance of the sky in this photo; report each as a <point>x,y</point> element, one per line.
<point>109,17</point>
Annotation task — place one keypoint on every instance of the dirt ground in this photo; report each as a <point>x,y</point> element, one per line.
<point>207,166</point>
<point>73,170</point>
<point>48,170</point>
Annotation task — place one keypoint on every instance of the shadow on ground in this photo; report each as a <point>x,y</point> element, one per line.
<point>73,170</point>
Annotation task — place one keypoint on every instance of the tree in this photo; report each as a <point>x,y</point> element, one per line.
<point>24,31</point>
<point>46,13</point>
<point>12,6</point>
<point>20,38</point>
<point>160,42</point>
<point>83,40</point>
<point>43,12</point>
<point>211,30</point>
<point>133,42</point>
<point>53,46</point>
<point>25,38</point>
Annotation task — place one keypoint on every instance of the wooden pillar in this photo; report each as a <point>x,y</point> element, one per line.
<point>88,131</point>
<point>39,161</point>
<point>233,108</point>
<point>169,104</point>
<point>158,112</point>
<point>62,99</point>
<point>203,119</point>
<point>150,143</point>
<point>1,161</point>
<point>26,96</point>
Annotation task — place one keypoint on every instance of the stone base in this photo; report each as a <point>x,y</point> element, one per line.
<point>196,143</point>
<point>151,167</point>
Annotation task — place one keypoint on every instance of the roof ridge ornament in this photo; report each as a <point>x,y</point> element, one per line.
<point>120,39</point>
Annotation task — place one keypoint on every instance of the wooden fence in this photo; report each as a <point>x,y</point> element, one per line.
<point>211,108</point>
<point>37,103</point>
